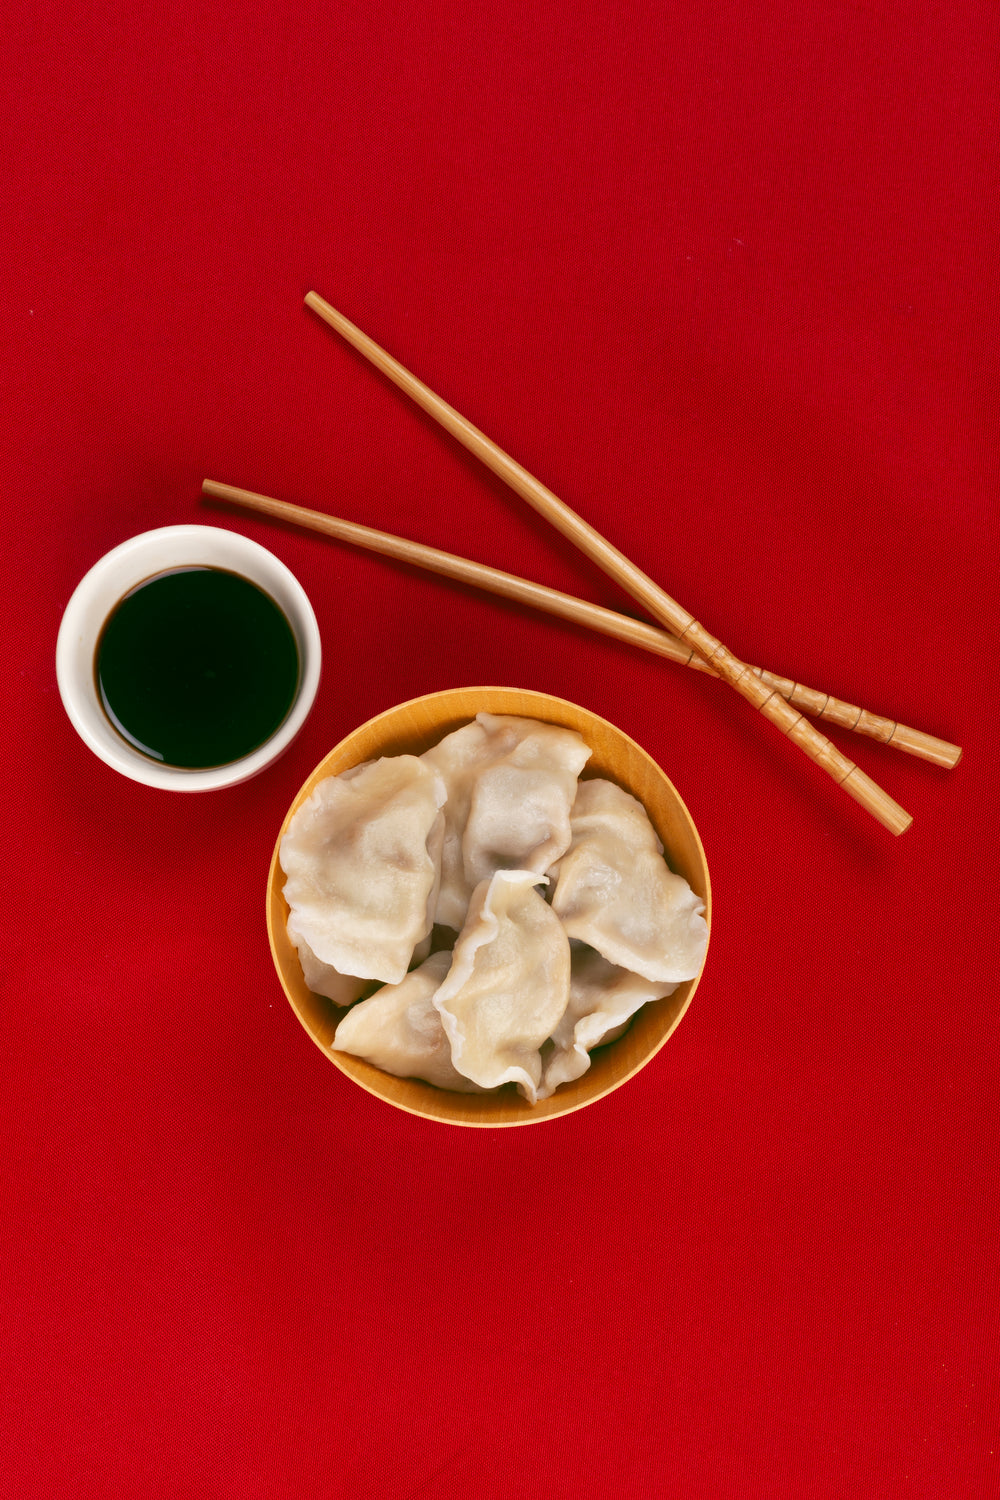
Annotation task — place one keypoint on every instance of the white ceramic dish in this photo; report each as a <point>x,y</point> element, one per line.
<point>121,570</point>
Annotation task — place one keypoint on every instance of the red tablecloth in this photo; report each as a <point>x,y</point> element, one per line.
<point>724,278</point>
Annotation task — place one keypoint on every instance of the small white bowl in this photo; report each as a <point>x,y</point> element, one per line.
<point>121,570</point>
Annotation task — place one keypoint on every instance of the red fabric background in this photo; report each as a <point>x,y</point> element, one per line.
<point>724,278</point>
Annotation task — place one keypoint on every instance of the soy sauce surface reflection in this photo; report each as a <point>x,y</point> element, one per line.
<point>196,667</point>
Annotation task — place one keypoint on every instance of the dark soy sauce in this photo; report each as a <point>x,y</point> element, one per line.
<point>196,667</point>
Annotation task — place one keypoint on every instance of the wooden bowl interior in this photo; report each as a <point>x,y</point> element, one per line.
<point>411,728</point>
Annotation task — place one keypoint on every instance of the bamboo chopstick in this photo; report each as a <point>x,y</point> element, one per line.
<point>767,700</point>
<point>594,616</point>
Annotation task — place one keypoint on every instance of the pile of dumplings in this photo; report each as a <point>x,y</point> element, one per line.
<point>486,916</point>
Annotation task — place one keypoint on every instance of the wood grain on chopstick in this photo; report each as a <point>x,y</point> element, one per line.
<point>593,616</point>
<point>767,700</point>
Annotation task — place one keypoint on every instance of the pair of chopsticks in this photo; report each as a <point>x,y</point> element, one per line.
<point>688,642</point>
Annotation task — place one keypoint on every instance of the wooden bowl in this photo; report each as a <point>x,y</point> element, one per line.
<point>412,728</point>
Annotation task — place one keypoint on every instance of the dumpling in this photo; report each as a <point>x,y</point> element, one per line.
<point>511,783</point>
<point>323,979</point>
<point>508,985</point>
<point>362,856</point>
<point>398,1030</point>
<point>602,1000</point>
<point>614,890</point>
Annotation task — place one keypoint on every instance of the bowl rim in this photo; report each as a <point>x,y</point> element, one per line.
<point>475,1109</point>
<point>121,569</point>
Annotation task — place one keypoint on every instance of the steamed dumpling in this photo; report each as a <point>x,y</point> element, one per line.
<point>511,783</point>
<point>323,979</point>
<point>398,1030</point>
<point>508,985</point>
<point>362,857</point>
<point>602,1001</point>
<point>614,891</point>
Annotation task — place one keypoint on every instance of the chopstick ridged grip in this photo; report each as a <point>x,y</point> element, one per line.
<point>637,583</point>
<point>862,721</point>
<point>768,701</point>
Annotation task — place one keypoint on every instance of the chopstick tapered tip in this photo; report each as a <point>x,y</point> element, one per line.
<point>320,305</point>
<point>354,335</point>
